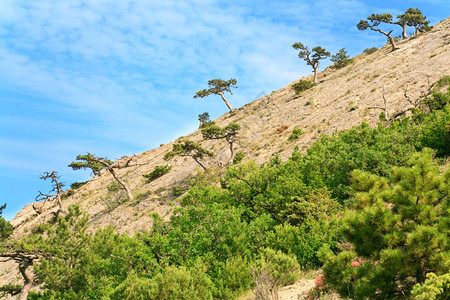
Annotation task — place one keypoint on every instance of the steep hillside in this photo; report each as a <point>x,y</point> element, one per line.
<point>343,99</point>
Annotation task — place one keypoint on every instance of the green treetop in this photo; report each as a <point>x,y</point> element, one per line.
<point>218,87</point>
<point>229,133</point>
<point>312,57</point>
<point>375,20</point>
<point>413,17</point>
<point>189,148</point>
<point>96,164</point>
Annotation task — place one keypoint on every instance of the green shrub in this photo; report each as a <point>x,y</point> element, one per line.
<point>341,59</point>
<point>273,270</point>
<point>238,157</point>
<point>434,288</point>
<point>296,134</point>
<point>157,172</point>
<point>439,99</point>
<point>233,278</point>
<point>435,131</point>
<point>370,50</point>
<point>77,185</point>
<point>302,85</point>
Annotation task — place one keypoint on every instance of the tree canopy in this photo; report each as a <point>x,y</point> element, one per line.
<point>375,20</point>
<point>218,87</point>
<point>312,57</point>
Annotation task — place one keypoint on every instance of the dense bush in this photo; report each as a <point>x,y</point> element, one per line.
<point>369,51</point>
<point>440,96</point>
<point>157,172</point>
<point>77,185</point>
<point>302,85</point>
<point>399,231</point>
<point>296,134</point>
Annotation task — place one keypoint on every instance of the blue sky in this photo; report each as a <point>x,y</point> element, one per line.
<point>117,78</point>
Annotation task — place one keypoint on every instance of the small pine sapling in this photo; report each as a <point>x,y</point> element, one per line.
<point>341,59</point>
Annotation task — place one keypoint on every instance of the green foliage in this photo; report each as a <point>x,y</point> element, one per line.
<point>341,59</point>
<point>10,289</point>
<point>399,232</point>
<point>296,134</point>
<point>413,17</point>
<point>305,241</point>
<point>434,288</point>
<point>233,278</point>
<point>89,161</point>
<point>369,51</point>
<point>330,160</point>
<point>6,228</point>
<point>203,118</point>
<point>238,157</point>
<point>312,57</point>
<point>374,20</point>
<point>435,131</point>
<point>302,85</point>
<point>157,172</point>
<point>229,133</point>
<point>273,270</point>
<point>77,185</point>
<point>318,53</point>
<point>217,86</point>
<point>189,148</point>
<point>213,131</point>
<point>439,99</point>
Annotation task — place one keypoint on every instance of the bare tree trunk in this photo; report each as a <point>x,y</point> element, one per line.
<point>388,34</point>
<point>404,34</point>
<point>201,165</point>
<point>117,178</point>
<point>28,278</point>
<point>226,102</point>
<point>122,183</point>
<point>392,42</point>
<point>316,73</point>
<point>230,161</point>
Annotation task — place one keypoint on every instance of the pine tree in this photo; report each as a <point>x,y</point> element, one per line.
<point>312,57</point>
<point>189,148</point>
<point>399,232</point>
<point>229,133</point>
<point>218,87</point>
<point>375,20</point>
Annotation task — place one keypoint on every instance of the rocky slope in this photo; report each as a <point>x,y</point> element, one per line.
<point>343,99</point>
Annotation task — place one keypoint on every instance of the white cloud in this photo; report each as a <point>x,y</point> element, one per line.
<point>118,76</point>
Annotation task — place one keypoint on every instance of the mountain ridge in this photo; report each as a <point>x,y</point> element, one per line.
<point>343,99</point>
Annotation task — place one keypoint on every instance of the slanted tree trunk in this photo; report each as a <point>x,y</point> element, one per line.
<point>388,34</point>
<point>117,178</point>
<point>122,183</point>
<point>230,161</point>
<point>404,34</point>
<point>200,163</point>
<point>226,102</point>
<point>28,278</point>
